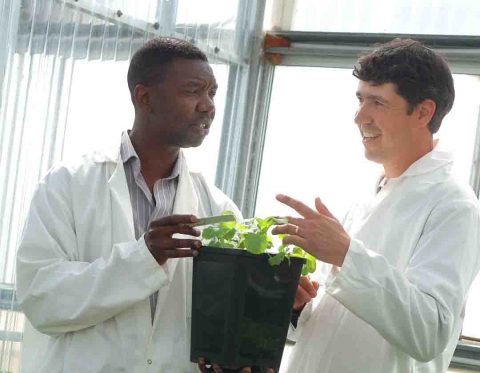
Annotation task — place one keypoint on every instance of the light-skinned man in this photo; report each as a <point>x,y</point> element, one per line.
<point>403,262</point>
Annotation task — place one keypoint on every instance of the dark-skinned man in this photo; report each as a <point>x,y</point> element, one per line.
<point>104,266</point>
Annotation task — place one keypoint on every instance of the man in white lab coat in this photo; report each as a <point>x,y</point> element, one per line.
<point>403,262</point>
<point>97,267</point>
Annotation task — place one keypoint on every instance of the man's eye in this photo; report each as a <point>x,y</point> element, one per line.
<point>212,93</point>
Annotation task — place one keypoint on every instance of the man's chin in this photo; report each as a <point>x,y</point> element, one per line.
<point>373,157</point>
<point>192,143</point>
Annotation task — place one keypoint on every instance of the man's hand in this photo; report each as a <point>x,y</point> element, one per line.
<point>163,246</point>
<point>318,232</point>
<point>215,368</point>
<point>306,291</point>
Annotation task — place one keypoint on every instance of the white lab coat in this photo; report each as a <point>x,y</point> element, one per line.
<point>396,305</point>
<point>84,280</point>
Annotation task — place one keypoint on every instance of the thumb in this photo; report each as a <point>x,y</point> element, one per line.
<point>322,209</point>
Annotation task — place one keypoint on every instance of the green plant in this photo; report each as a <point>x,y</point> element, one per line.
<point>254,236</point>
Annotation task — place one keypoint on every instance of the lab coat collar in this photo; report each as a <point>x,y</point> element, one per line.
<point>430,162</point>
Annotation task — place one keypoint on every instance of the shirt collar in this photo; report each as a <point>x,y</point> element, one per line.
<point>127,151</point>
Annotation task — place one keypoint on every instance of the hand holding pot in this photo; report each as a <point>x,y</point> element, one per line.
<point>163,246</point>
<point>306,291</point>
<point>317,232</point>
<point>205,368</point>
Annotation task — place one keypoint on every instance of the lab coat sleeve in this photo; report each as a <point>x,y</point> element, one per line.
<point>60,293</point>
<point>416,309</point>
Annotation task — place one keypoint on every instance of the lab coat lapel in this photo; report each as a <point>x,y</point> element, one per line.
<point>186,202</point>
<point>121,205</point>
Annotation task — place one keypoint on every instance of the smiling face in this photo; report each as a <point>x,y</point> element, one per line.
<point>179,110</point>
<point>391,134</point>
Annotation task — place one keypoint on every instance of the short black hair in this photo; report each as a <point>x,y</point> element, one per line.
<point>418,72</point>
<point>146,63</point>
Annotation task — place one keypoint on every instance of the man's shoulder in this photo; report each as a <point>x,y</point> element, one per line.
<point>219,201</point>
<point>456,194</point>
<point>79,167</point>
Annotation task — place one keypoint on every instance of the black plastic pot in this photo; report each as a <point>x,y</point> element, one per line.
<point>241,307</point>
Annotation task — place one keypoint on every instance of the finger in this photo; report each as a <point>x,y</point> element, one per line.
<point>246,370</point>
<point>270,370</point>
<point>301,297</point>
<point>175,243</point>
<point>217,368</point>
<point>285,229</point>
<point>298,206</point>
<point>308,286</point>
<point>169,230</point>
<point>316,285</point>
<point>295,240</point>
<point>179,253</point>
<point>322,209</point>
<point>299,222</point>
<point>201,364</point>
<point>174,220</point>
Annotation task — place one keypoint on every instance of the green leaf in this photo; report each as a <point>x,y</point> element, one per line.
<point>310,265</point>
<point>298,251</point>
<point>276,259</point>
<point>227,225</point>
<point>209,233</point>
<point>280,220</point>
<point>256,243</point>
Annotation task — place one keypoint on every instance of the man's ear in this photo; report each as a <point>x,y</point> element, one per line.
<point>425,111</point>
<point>141,98</point>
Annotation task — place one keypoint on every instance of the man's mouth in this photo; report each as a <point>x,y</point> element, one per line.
<point>203,124</point>
<point>369,132</point>
<point>367,136</point>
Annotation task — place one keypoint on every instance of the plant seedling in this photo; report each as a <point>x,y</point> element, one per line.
<point>254,236</point>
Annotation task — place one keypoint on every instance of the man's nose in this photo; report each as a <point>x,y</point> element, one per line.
<point>206,105</point>
<point>361,115</point>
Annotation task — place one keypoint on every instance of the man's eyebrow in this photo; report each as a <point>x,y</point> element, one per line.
<point>198,82</point>
<point>371,96</point>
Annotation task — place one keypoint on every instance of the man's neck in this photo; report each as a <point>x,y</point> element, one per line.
<point>157,160</point>
<point>398,166</point>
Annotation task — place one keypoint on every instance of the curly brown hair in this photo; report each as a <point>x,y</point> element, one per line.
<point>418,73</point>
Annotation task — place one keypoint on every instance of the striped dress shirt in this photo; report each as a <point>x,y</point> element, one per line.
<point>147,207</point>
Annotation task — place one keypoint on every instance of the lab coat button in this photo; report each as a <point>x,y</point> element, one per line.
<point>149,361</point>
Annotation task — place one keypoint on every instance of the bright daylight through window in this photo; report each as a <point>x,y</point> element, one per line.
<point>312,139</point>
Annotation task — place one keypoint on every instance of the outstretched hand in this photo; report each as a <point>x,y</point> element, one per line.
<point>317,232</point>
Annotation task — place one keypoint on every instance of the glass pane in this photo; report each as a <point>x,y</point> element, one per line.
<point>313,147</point>
<point>443,17</point>
<point>193,11</point>
<point>100,109</point>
